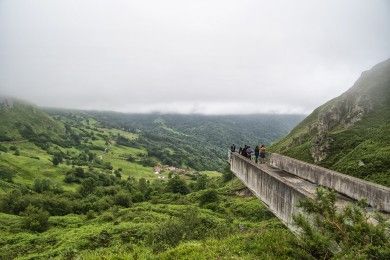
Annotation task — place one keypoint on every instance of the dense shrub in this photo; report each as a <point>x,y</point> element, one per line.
<point>3,148</point>
<point>250,210</point>
<point>201,182</point>
<point>102,240</point>
<point>208,196</point>
<point>87,186</point>
<point>122,199</point>
<point>189,226</point>
<point>41,185</point>
<point>90,214</point>
<point>6,174</point>
<point>57,159</point>
<point>177,185</point>
<point>35,219</point>
<point>13,202</point>
<point>131,158</point>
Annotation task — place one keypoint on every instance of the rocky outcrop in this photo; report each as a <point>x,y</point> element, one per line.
<point>341,113</point>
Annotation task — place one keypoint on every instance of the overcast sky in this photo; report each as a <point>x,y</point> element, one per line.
<point>198,56</point>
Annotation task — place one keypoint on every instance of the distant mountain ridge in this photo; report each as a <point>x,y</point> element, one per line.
<point>350,133</point>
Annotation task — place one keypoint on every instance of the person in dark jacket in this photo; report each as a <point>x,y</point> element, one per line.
<point>244,151</point>
<point>257,153</point>
<point>233,148</point>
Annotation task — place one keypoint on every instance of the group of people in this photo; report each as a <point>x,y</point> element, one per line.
<point>248,152</point>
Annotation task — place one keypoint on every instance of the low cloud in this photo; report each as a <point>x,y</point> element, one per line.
<point>211,57</point>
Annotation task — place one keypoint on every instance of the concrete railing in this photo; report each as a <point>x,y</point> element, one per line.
<point>376,195</point>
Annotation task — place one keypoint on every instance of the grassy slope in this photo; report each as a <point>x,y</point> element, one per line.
<point>26,114</point>
<point>256,234</point>
<point>34,162</point>
<point>29,168</point>
<point>362,150</point>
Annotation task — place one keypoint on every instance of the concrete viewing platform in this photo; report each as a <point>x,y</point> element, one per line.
<point>284,181</point>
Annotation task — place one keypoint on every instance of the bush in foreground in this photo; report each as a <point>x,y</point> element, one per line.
<point>35,219</point>
<point>346,233</point>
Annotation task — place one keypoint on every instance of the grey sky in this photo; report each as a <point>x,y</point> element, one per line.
<point>203,56</point>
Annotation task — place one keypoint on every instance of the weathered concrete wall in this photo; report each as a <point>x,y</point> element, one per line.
<point>280,196</point>
<point>376,195</point>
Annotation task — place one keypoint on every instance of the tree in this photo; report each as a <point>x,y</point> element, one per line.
<point>41,185</point>
<point>122,199</point>
<point>177,185</point>
<point>201,182</point>
<point>7,174</point>
<point>348,233</point>
<point>57,159</point>
<point>79,172</point>
<point>35,219</point>
<point>87,186</point>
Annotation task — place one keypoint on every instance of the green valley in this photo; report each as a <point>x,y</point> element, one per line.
<point>75,186</point>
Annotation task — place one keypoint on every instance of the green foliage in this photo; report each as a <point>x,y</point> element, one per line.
<point>6,174</point>
<point>201,182</point>
<point>122,199</point>
<point>57,159</point>
<point>227,174</point>
<point>87,186</point>
<point>98,212</point>
<point>196,141</point>
<point>331,233</point>
<point>177,185</point>
<point>3,148</point>
<point>17,152</point>
<point>90,215</point>
<point>190,226</point>
<point>41,185</point>
<point>102,240</point>
<point>35,219</point>
<point>208,196</point>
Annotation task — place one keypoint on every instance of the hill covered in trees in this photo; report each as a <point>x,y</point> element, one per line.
<point>196,141</point>
<point>350,133</point>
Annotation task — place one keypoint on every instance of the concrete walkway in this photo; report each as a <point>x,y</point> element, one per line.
<point>281,190</point>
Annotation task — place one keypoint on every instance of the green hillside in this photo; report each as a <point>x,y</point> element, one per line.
<point>20,119</point>
<point>196,141</point>
<point>350,133</point>
<point>82,187</point>
<point>73,187</point>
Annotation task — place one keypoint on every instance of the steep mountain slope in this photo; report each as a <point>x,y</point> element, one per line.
<point>350,133</point>
<point>19,119</point>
